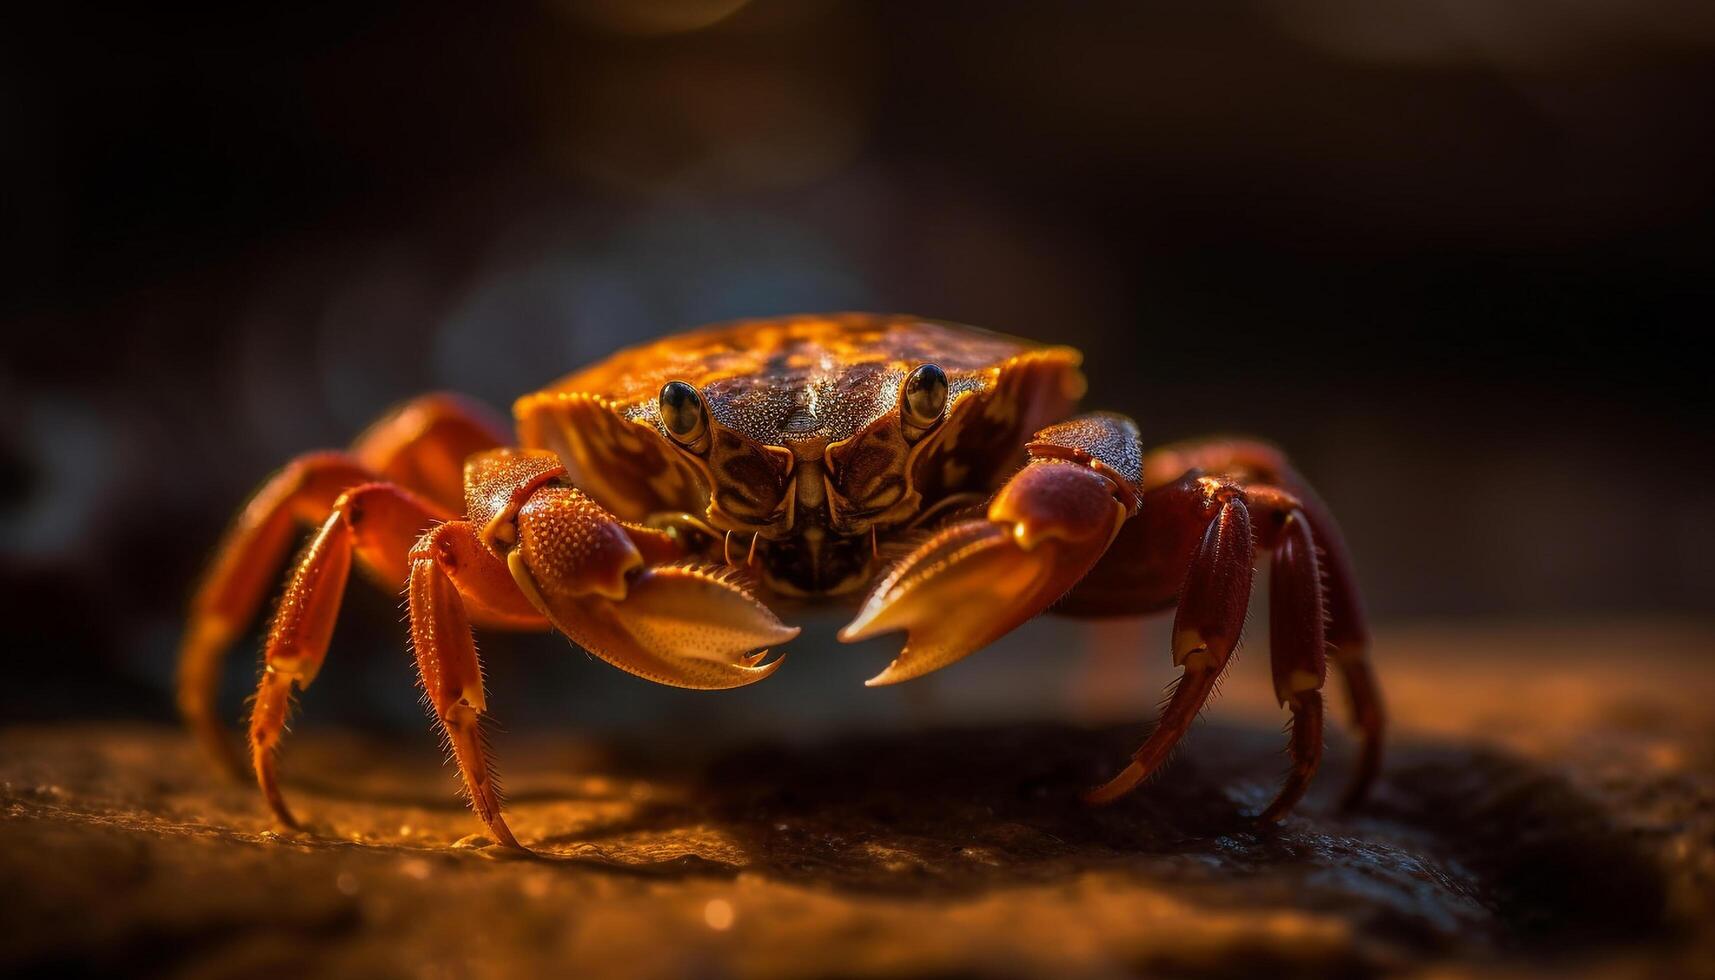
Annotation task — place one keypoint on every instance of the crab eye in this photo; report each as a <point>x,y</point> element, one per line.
<point>682,412</point>
<point>924,397</point>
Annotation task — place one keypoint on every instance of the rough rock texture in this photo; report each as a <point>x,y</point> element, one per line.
<point>1551,819</point>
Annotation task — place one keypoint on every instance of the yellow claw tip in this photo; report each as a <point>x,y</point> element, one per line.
<point>905,667</point>
<point>863,625</point>
<point>759,670</point>
<point>758,658</point>
<point>889,676</point>
<point>776,635</point>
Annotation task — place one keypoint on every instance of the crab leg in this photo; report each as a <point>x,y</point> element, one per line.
<point>421,445</point>
<point>450,566</point>
<point>1206,630</point>
<point>1219,578</point>
<point>1296,646</point>
<point>1349,642</point>
<point>377,521</point>
<point>424,443</point>
<point>1348,637</point>
<point>243,569</point>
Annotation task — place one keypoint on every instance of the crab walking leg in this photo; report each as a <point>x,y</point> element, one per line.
<point>245,566</point>
<point>1206,630</point>
<point>1275,522</point>
<point>379,522</point>
<point>1348,639</point>
<point>1296,614</point>
<point>420,445</point>
<point>423,444</point>
<point>448,563</point>
<point>1249,461</point>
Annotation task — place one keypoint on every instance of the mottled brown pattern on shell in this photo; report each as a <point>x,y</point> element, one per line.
<point>866,471</point>
<point>803,384</point>
<point>750,481</point>
<point>757,375</point>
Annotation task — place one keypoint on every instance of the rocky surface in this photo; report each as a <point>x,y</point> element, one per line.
<point>1549,809</point>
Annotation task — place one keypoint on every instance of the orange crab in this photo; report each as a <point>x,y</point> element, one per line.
<point>659,497</point>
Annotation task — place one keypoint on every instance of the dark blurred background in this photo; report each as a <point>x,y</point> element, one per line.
<point>1455,254</point>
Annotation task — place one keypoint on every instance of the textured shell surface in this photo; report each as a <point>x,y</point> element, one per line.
<point>806,446</point>
<point>786,380</point>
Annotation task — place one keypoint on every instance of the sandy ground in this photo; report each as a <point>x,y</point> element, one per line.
<point>1548,809</point>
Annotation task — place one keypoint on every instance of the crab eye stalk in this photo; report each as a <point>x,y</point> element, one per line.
<point>684,415</point>
<point>923,399</point>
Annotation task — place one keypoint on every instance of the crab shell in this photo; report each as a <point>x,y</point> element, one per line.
<point>807,448</point>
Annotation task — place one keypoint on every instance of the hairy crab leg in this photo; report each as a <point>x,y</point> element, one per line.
<point>245,566</point>
<point>379,522</point>
<point>1206,631</point>
<point>1297,644</point>
<point>450,566</point>
<point>1349,643</point>
<point>1211,603</point>
<point>419,445</point>
<point>1249,462</point>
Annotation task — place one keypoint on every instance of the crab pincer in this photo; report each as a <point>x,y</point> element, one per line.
<point>618,591</point>
<point>978,579</point>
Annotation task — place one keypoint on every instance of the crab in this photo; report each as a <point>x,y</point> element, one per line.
<point>932,474</point>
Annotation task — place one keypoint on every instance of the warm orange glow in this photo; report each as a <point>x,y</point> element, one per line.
<point>719,914</point>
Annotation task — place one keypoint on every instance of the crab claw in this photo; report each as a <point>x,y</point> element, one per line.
<point>977,580</point>
<point>680,625</point>
<point>610,588</point>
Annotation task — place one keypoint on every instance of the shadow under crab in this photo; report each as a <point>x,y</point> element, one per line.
<point>1468,853</point>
